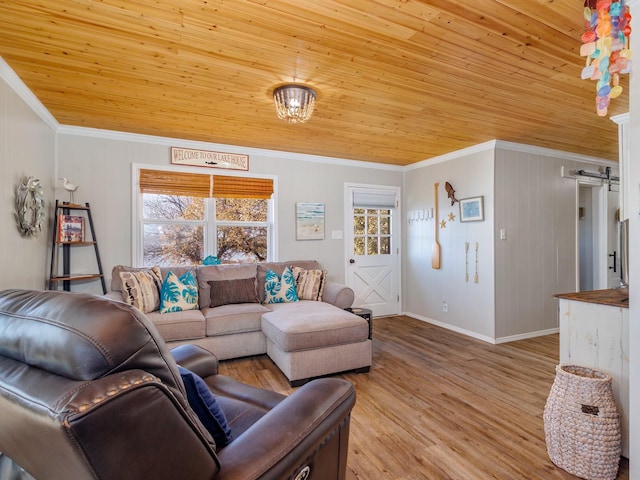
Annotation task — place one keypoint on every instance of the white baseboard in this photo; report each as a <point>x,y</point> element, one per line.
<point>453,328</point>
<point>484,338</point>
<point>524,336</point>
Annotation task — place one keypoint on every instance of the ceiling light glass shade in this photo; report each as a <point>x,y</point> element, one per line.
<point>294,103</point>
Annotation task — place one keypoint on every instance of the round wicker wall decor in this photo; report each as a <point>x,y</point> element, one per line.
<point>29,206</point>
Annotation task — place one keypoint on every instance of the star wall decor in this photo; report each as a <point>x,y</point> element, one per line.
<point>452,217</point>
<point>443,224</point>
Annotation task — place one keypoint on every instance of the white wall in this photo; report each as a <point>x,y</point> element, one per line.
<point>27,148</point>
<point>524,195</point>
<point>470,304</point>
<point>536,207</point>
<point>632,207</point>
<point>100,162</point>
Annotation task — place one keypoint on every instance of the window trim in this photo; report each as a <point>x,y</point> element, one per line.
<point>136,206</point>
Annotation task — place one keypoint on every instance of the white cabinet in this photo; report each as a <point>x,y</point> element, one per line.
<point>596,335</point>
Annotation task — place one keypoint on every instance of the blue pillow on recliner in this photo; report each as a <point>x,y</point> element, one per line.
<point>204,404</point>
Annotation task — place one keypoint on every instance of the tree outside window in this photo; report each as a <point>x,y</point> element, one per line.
<point>241,229</point>
<point>176,229</point>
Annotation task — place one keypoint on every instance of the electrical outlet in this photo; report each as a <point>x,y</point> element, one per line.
<point>445,307</point>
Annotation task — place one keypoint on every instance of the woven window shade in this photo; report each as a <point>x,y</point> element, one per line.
<point>206,186</point>
<point>175,183</point>
<point>242,187</point>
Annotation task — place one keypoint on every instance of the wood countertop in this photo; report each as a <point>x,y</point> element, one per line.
<point>615,297</point>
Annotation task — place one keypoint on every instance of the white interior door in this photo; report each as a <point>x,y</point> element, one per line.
<point>614,278</point>
<point>587,235</point>
<point>373,247</point>
<point>597,237</point>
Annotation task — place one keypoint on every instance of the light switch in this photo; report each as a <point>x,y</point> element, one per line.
<point>503,234</point>
<point>336,234</point>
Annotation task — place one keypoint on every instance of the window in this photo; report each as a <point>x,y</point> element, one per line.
<point>372,210</point>
<point>242,229</point>
<point>186,217</point>
<point>371,231</point>
<point>173,229</point>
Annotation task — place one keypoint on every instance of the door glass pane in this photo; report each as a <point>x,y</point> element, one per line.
<point>385,246</point>
<point>372,224</point>
<point>358,225</point>
<point>385,225</point>
<point>167,244</point>
<point>372,232</point>
<point>372,245</point>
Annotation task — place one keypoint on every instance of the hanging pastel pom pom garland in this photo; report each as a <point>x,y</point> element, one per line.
<point>606,46</point>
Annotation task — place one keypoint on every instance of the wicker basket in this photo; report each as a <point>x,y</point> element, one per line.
<point>581,423</point>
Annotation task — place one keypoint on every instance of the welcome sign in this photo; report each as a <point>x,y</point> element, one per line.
<point>207,158</point>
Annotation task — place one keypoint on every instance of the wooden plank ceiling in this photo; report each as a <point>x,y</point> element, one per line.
<point>398,81</point>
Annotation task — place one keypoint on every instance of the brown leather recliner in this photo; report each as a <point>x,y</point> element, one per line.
<point>88,390</point>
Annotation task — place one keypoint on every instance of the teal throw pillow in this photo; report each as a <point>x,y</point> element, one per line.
<point>280,289</point>
<point>178,293</point>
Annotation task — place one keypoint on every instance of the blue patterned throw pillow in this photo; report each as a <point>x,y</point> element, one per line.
<point>280,289</point>
<point>178,293</point>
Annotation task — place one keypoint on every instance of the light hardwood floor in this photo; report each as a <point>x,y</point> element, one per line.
<point>441,405</point>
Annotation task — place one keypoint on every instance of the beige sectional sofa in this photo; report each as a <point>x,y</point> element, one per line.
<point>305,339</point>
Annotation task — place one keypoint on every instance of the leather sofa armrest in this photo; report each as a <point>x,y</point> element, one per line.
<point>338,294</point>
<point>294,433</point>
<point>197,359</point>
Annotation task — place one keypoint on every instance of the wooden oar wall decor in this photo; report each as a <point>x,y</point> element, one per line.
<point>435,251</point>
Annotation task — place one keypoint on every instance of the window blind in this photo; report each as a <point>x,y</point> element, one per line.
<point>374,199</point>
<point>164,182</point>
<point>242,187</point>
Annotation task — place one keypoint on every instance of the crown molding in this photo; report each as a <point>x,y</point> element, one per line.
<point>621,119</point>
<point>512,146</point>
<point>12,79</point>
<point>176,142</point>
<point>550,152</point>
<point>481,147</point>
<point>18,86</point>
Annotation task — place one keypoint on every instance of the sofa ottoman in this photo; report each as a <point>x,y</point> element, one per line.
<point>309,339</point>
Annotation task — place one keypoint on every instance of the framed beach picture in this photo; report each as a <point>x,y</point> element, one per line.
<point>309,221</point>
<point>472,209</point>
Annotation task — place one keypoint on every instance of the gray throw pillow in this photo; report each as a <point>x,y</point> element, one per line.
<point>225,292</point>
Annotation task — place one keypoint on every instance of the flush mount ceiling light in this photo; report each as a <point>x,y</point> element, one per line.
<point>294,103</point>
